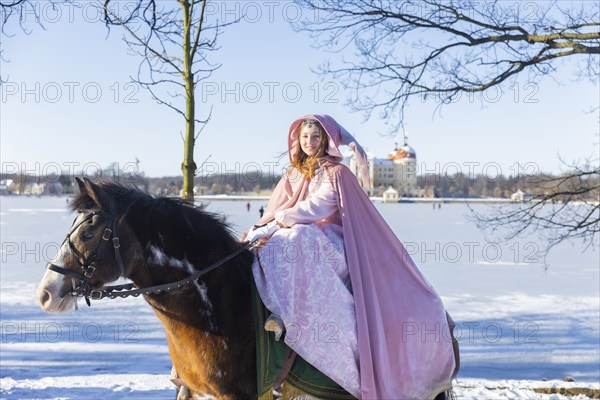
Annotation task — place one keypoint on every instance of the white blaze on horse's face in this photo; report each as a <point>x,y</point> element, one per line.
<point>54,291</point>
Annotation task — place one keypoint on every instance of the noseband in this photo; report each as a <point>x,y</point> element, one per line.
<point>88,264</point>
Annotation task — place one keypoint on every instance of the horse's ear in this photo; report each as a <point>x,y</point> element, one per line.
<point>81,185</point>
<point>97,194</point>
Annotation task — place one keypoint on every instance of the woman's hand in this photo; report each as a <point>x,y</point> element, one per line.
<point>260,243</point>
<point>263,232</point>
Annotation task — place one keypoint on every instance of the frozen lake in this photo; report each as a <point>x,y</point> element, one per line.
<point>516,319</point>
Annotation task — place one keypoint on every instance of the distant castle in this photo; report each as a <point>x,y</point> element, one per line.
<point>398,171</point>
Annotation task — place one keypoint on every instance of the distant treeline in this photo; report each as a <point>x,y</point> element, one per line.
<point>431,185</point>
<point>217,184</point>
<point>566,187</point>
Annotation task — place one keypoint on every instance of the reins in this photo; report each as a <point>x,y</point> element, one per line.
<point>88,267</point>
<point>123,291</point>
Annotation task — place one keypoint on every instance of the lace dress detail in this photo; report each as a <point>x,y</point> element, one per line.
<point>303,277</point>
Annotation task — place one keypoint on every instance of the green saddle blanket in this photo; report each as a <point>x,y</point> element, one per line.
<point>302,379</point>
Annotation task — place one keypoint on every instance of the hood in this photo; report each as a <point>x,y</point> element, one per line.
<point>338,136</point>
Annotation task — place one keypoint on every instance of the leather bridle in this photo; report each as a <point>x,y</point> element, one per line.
<point>88,264</point>
<point>88,267</point>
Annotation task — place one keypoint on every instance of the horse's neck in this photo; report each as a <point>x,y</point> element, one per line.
<point>166,259</point>
<point>209,329</point>
<point>192,303</point>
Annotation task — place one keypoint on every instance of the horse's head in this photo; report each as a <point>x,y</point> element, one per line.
<point>90,255</point>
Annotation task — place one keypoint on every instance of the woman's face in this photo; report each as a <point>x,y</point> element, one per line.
<point>310,139</point>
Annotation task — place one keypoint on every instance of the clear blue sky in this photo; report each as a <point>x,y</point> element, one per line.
<point>67,103</point>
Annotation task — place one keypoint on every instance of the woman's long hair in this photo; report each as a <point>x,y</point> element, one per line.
<point>305,164</point>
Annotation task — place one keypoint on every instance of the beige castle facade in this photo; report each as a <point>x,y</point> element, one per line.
<point>398,170</point>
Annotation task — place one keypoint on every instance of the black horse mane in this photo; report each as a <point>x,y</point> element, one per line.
<point>175,226</point>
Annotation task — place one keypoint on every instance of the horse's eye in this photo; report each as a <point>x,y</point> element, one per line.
<point>87,235</point>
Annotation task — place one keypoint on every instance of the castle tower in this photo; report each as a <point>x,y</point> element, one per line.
<point>405,169</point>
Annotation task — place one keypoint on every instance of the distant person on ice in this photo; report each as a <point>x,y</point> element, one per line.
<point>248,207</point>
<point>348,269</point>
<point>261,211</point>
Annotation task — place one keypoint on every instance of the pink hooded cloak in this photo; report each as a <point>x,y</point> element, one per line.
<point>404,336</point>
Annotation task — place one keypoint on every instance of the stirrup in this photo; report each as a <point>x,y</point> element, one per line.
<point>275,324</point>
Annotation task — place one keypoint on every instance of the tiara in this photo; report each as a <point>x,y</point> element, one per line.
<point>310,121</point>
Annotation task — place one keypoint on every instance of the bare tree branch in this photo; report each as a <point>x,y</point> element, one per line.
<point>443,48</point>
<point>11,9</point>
<point>565,208</point>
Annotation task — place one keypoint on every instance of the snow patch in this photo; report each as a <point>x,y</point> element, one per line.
<point>114,382</point>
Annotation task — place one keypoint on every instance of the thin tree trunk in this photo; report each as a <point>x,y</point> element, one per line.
<point>188,167</point>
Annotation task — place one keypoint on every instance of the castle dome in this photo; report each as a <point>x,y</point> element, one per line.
<point>404,152</point>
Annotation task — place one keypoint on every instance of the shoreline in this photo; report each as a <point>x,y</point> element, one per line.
<point>374,199</point>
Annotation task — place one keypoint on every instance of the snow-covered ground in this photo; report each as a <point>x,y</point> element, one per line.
<point>520,326</point>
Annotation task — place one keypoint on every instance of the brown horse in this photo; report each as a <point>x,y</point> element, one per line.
<point>121,231</point>
<point>208,323</point>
